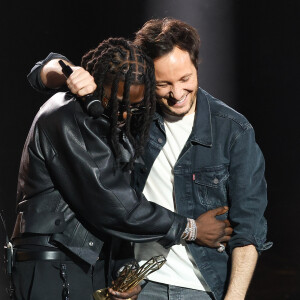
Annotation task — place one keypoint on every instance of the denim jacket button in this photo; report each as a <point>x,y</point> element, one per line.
<point>216,181</point>
<point>160,140</point>
<point>91,243</point>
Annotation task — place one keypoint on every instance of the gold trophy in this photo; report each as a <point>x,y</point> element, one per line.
<point>131,275</point>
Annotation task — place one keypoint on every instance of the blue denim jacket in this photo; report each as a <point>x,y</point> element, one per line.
<point>220,164</point>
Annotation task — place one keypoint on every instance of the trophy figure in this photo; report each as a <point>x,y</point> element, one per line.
<point>131,275</point>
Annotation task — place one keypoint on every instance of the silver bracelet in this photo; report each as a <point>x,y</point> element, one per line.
<point>190,231</point>
<point>193,233</point>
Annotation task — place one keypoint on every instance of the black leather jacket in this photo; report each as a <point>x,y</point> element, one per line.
<point>71,193</point>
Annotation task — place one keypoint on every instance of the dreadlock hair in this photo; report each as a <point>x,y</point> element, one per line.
<point>115,60</point>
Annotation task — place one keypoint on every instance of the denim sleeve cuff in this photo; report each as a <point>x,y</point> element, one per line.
<point>248,240</point>
<point>34,77</point>
<point>173,236</point>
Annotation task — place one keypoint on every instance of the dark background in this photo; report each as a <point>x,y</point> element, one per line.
<point>250,60</point>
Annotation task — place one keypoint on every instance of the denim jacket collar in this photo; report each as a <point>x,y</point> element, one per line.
<point>202,129</point>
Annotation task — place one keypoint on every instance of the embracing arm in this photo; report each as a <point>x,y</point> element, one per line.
<point>47,76</point>
<point>52,75</point>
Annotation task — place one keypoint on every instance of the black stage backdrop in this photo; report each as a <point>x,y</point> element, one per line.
<point>250,60</point>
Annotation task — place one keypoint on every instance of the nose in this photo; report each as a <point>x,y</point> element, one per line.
<point>176,92</point>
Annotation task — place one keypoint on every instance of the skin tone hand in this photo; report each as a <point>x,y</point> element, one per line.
<point>210,231</point>
<point>80,82</point>
<point>132,293</point>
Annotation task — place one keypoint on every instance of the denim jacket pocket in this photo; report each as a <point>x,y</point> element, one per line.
<point>210,186</point>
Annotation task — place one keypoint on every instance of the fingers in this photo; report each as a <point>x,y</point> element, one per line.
<point>227,223</point>
<point>228,231</point>
<point>210,230</point>
<point>218,211</point>
<point>226,235</point>
<point>132,293</point>
<point>224,239</point>
<point>81,82</point>
<point>215,212</point>
<point>114,295</point>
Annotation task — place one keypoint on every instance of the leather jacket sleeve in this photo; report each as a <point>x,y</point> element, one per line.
<point>73,148</point>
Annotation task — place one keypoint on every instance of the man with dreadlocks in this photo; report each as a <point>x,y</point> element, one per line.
<point>75,204</point>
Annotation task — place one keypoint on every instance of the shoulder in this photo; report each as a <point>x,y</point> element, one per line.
<point>56,120</point>
<point>58,108</point>
<point>62,115</point>
<point>222,112</point>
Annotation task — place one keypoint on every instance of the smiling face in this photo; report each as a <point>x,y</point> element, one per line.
<point>176,83</point>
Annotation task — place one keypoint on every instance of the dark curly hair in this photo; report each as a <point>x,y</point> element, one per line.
<point>158,37</point>
<point>115,60</point>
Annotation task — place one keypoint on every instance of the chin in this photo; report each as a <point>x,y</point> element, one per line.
<point>179,112</point>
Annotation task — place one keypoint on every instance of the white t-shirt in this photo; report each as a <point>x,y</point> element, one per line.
<point>179,269</point>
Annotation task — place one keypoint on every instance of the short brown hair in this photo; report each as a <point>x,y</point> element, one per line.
<point>159,36</point>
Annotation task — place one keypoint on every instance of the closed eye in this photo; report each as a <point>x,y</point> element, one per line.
<point>161,85</point>
<point>185,79</point>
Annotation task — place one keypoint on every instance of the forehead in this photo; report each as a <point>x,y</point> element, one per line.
<point>136,92</point>
<point>174,64</point>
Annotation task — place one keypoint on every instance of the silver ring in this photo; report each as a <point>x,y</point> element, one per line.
<point>221,248</point>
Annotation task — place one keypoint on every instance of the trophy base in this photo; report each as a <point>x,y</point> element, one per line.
<point>101,294</point>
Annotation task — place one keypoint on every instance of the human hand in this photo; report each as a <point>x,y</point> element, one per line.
<point>81,82</point>
<point>132,293</point>
<point>212,232</point>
